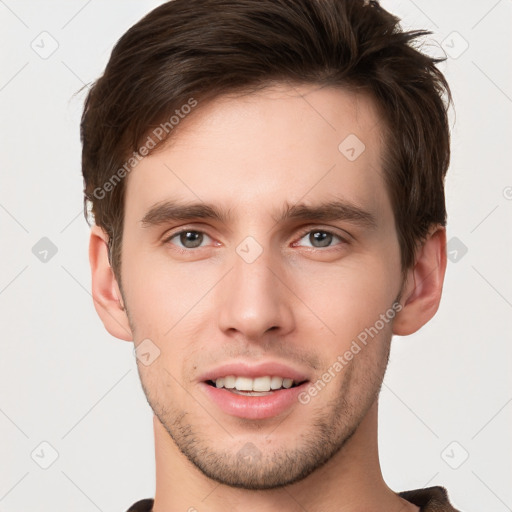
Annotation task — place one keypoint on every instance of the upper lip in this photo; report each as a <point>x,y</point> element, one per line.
<point>245,369</point>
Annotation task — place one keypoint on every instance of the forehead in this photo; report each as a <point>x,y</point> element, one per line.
<point>255,152</point>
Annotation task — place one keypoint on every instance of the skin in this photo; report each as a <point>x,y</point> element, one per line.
<point>296,303</point>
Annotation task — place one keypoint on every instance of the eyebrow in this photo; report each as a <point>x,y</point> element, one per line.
<point>168,211</point>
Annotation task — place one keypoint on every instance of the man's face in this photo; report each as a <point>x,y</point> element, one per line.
<point>261,294</point>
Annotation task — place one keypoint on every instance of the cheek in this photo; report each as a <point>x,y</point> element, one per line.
<point>346,299</point>
<point>161,294</point>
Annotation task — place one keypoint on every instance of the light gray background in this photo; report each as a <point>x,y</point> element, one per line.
<point>65,381</point>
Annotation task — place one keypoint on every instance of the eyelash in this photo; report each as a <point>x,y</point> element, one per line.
<point>343,240</point>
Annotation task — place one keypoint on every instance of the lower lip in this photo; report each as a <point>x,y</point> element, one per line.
<point>253,407</point>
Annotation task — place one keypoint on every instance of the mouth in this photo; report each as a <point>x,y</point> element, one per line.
<point>254,392</point>
<point>259,386</point>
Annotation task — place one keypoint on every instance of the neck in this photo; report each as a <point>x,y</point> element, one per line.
<point>349,481</point>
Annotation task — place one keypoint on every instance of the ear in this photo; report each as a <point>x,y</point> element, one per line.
<point>423,286</point>
<point>105,290</point>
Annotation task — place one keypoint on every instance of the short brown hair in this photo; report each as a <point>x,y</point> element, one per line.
<point>199,49</point>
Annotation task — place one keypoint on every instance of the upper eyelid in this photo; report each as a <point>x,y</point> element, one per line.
<point>167,237</point>
<point>170,233</point>
<point>331,231</point>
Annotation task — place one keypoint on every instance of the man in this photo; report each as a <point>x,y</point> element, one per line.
<point>266,181</point>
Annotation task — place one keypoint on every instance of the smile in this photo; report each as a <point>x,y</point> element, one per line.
<point>255,386</point>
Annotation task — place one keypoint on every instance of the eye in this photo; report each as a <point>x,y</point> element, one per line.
<point>188,238</point>
<point>319,238</point>
<point>193,239</point>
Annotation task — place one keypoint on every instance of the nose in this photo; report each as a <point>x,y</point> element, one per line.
<point>256,299</point>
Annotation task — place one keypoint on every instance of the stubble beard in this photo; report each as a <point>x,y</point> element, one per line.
<point>254,468</point>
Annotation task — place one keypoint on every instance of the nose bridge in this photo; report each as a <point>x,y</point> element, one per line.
<point>254,299</point>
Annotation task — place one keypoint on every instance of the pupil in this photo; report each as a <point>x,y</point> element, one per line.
<point>191,239</point>
<point>322,237</point>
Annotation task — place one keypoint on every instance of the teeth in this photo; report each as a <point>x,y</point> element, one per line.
<point>276,383</point>
<point>259,384</point>
<point>244,384</point>
<point>287,383</point>
<point>229,382</point>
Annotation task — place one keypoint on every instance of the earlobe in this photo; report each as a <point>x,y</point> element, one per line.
<point>106,295</point>
<point>422,291</point>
